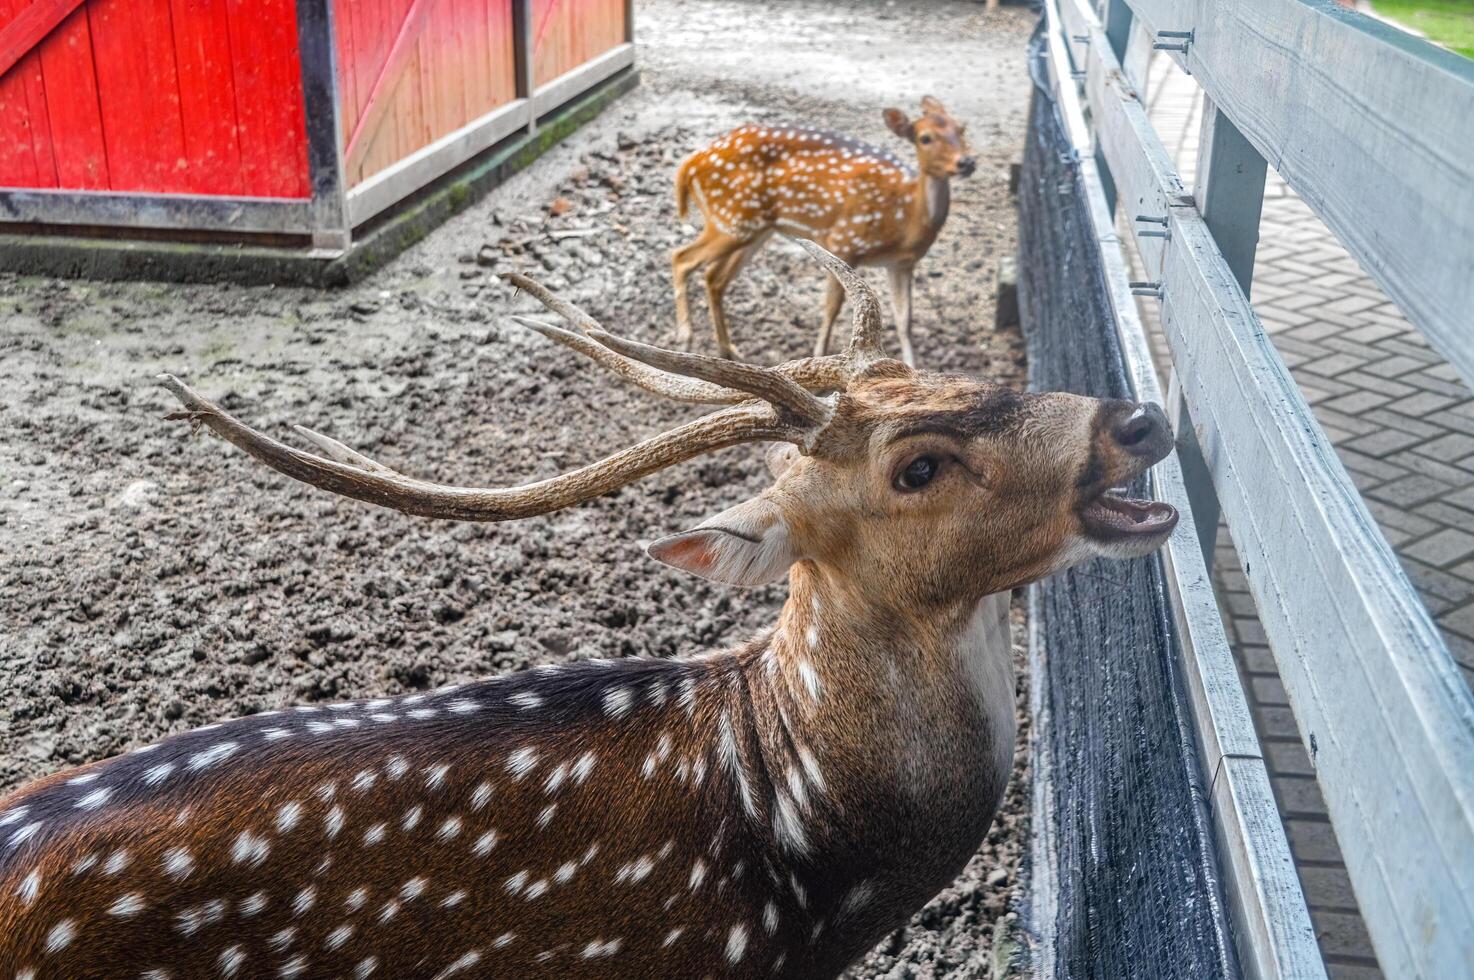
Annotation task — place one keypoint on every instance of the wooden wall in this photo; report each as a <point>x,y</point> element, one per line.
<point>167,96</point>
<point>567,33</point>
<point>456,64</point>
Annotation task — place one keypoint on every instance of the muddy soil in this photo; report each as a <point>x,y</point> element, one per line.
<point>151,582</point>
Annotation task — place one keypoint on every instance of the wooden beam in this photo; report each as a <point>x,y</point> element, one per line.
<point>1386,715</point>
<point>1273,931</point>
<point>30,28</point>
<point>1368,124</point>
<point>381,93</point>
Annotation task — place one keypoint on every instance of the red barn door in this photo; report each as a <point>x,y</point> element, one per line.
<point>162,96</point>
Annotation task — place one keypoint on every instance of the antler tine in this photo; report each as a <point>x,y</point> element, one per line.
<point>551,300</point>
<point>354,475</point>
<point>659,382</point>
<point>766,383</point>
<point>866,328</point>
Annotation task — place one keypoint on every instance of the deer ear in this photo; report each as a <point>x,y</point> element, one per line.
<point>747,545</point>
<point>930,103</point>
<point>779,457</point>
<point>899,124</point>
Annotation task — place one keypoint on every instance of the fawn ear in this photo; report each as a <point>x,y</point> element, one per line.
<point>930,103</point>
<point>747,545</point>
<point>899,124</point>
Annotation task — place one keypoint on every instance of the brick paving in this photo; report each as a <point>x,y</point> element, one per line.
<point>1403,425</point>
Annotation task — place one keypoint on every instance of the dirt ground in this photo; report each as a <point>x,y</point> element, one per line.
<point>151,583</point>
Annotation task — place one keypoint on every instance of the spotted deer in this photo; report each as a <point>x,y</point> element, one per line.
<point>770,810</point>
<point>859,202</point>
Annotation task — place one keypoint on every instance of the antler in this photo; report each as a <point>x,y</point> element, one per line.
<point>764,405</point>
<point>344,471</point>
<point>865,328</point>
<point>705,380</point>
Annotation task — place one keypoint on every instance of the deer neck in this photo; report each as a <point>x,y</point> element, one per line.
<point>893,728</point>
<point>931,199</point>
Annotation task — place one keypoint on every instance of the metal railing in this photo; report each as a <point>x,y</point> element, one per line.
<point>1375,131</point>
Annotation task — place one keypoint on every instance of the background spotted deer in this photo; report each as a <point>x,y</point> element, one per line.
<point>860,202</point>
<point>769,810</point>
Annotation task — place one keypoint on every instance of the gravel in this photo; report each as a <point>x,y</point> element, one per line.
<point>151,582</point>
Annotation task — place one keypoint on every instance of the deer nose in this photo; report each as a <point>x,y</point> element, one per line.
<point>966,166</point>
<point>1144,432</point>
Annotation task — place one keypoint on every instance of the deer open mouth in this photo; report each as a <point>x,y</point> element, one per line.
<point>1110,517</point>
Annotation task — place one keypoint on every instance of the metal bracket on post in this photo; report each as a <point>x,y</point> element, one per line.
<point>1152,288</point>
<point>1153,220</point>
<point>1181,41</point>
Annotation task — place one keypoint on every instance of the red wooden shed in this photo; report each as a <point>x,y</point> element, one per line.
<point>291,122</point>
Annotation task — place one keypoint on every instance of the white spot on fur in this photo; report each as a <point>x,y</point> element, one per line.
<point>454,898</point>
<point>94,799</point>
<point>671,937</point>
<point>435,776</point>
<point>412,889</point>
<point>127,905</point>
<point>253,904</point>
<point>24,834</point>
<point>374,834</point>
<point>249,849</point>
<point>770,918</point>
<point>338,936</point>
<point>178,863</point>
<point>212,755</point>
<point>365,967</point>
<point>30,887</point>
<point>583,767</point>
<point>117,861</point>
<point>617,701</point>
<point>481,796</point>
<point>396,767</point>
<point>698,874</point>
<point>521,762</point>
<point>736,943</point>
<point>788,826</point>
<point>287,816</point>
<point>810,677</point>
<point>526,700</point>
<point>61,936</point>
<point>449,829</point>
<point>230,960</point>
<point>412,817</point>
<point>484,844</point>
<point>600,948</point>
<point>466,961</point>
<point>304,900</point>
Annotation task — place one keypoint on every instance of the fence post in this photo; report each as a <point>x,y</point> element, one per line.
<point>1229,191</point>
<point>522,48</point>
<point>319,64</point>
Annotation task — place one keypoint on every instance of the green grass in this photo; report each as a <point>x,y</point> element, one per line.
<point>1446,22</point>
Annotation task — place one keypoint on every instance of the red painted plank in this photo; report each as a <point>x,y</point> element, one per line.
<point>138,91</point>
<point>380,96</point>
<point>25,142</point>
<point>29,27</point>
<point>268,86</point>
<point>207,102</point>
<point>71,99</point>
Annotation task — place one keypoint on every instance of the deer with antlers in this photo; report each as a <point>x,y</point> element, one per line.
<point>860,202</point>
<point>765,811</point>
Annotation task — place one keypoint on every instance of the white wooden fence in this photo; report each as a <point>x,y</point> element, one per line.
<point>1375,131</point>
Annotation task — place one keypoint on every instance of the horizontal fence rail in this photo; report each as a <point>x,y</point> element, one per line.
<point>1387,718</point>
<point>1371,127</point>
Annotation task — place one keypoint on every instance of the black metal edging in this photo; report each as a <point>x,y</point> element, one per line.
<point>318,56</point>
<point>1132,866</point>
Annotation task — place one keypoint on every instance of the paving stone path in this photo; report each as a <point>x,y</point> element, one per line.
<point>1403,424</point>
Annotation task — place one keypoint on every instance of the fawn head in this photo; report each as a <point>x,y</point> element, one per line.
<point>940,141</point>
<point>912,489</point>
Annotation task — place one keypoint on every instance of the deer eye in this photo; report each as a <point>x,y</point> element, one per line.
<point>918,473</point>
<point>924,138</point>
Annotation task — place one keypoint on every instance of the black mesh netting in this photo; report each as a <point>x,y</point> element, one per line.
<point>1137,874</point>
